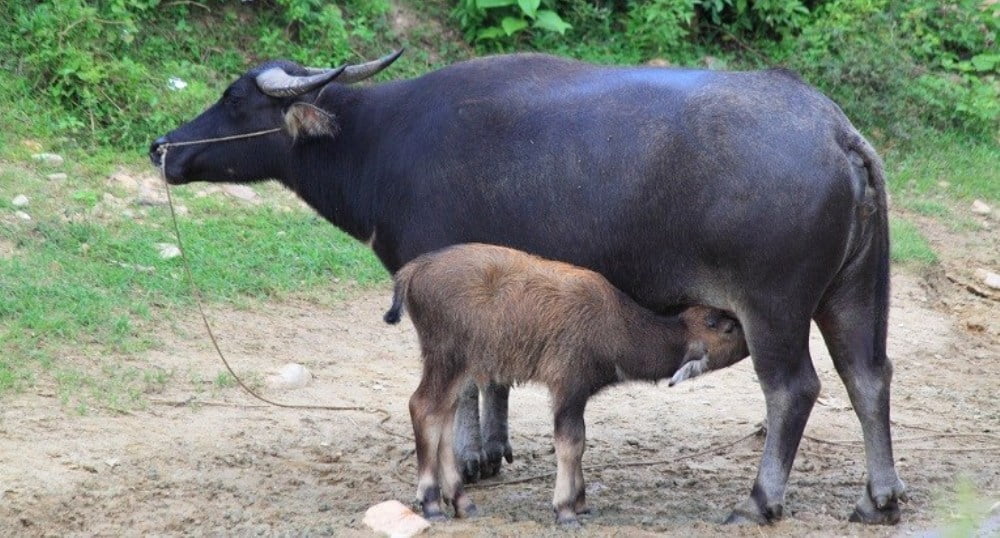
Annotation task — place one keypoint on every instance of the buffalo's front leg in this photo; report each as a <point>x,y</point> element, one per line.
<point>468,440</point>
<point>496,439</point>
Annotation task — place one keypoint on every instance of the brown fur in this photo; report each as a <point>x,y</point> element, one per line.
<point>493,314</point>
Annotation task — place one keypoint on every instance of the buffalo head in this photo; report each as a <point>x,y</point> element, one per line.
<point>276,96</point>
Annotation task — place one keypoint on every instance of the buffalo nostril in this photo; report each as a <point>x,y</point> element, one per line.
<point>154,149</point>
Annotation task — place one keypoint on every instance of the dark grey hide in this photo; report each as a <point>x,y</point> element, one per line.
<point>746,191</point>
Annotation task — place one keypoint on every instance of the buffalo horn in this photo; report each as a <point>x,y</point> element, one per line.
<point>277,83</point>
<point>355,73</point>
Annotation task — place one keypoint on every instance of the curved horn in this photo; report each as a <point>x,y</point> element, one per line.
<point>355,73</point>
<point>277,83</point>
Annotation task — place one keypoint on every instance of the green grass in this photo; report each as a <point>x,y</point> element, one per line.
<point>85,280</point>
<point>948,165</point>
<point>908,245</point>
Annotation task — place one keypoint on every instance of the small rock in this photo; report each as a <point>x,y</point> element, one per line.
<point>32,145</point>
<point>22,215</point>
<point>944,184</point>
<point>979,207</point>
<point>48,159</point>
<point>111,462</point>
<point>124,181</point>
<point>58,176</point>
<point>168,250</point>
<point>19,201</point>
<point>989,278</point>
<point>290,376</point>
<point>658,62</point>
<point>240,192</point>
<point>394,519</point>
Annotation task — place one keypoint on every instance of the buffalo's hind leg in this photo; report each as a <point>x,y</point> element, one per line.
<point>481,439</point>
<point>428,414</point>
<point>496,439</point>
<point>849,324</point>
<point>569,499</point>
<point>781,360</point>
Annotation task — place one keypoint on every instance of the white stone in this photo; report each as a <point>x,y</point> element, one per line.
<point>22,215</point>
<point>19,201</point>
<point>979,207</point>
<point>240,192</point>
<point>989,278</point>
<point>58,176</point>
<point>394,519</point>
<point>50,159</point>
<point>290,376</point>
<point>168,250</point>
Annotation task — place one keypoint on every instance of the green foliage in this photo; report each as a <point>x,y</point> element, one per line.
<point>905,66</point>
<point>506,20</point>
<point>660,26</point>
<point>109,68</point>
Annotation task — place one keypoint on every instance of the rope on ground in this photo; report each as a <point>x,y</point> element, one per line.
<point>616,465</point>
<point>990,448</point>
<point>196,293</point>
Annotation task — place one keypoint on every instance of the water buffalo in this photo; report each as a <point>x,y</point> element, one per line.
<point>747,191</point>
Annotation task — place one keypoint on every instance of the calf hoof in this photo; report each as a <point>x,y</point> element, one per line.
<point>880,505</point>
<point>493,456</point>
<point>464,507</point>
<point>749,513</point>
<point>568,521</point>
<point>435,516</point>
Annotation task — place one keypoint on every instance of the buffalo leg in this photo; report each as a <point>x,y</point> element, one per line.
<point>781,360</point>
<point>468,440</point>
<point>848,327</point>
<point>496,440</point>
<point>570,441</point>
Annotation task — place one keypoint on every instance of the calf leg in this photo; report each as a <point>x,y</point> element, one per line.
<point>849,329</point>
<point>428,423</point>
<point>570,440</point>
<point>451,479</point>
<point>781,359</point>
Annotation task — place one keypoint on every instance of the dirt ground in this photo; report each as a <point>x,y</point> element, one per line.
<point>203,461</point>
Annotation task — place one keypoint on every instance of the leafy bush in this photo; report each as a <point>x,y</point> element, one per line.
<point>506,20</point>
<point>106,66</point>
<point>905,66</point>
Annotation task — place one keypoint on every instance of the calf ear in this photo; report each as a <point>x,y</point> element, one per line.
<point>304,119</point>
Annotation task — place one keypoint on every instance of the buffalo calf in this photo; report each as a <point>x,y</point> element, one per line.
<point>491,314</point>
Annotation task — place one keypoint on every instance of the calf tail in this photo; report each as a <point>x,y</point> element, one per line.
<point>401,282</point>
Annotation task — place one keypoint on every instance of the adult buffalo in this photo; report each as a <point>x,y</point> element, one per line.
<point>747,191</point>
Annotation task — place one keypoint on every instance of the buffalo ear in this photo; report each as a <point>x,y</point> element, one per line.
<point>304,119</point>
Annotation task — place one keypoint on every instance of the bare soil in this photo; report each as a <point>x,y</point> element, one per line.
<point>215,461</point>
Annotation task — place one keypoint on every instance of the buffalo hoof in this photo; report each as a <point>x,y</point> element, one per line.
<point>880,505</point>
<point>470,470</point>
<point>749,513</point>
<point>493,456</point>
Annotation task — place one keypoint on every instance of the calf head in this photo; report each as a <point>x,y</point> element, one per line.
<point>715,340</point>
<point>275,95</point>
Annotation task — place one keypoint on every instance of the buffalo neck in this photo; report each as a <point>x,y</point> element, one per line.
<point>338,176</point>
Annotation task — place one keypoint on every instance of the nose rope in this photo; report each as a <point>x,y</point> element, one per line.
<point>196,292</point>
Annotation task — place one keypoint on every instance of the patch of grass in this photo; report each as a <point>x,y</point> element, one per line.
<point>224,380</point>
<point>962,510</point>
<point>927,207</point>
<point>948,165</point>
<point>908,245</point>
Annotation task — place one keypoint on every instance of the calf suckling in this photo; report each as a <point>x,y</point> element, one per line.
<point>492,314</point>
